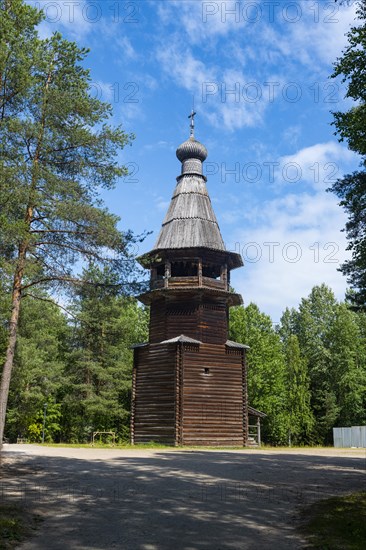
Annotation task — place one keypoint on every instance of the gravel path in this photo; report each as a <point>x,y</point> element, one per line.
<point>173,500</point>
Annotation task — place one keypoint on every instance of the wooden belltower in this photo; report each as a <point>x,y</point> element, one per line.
<point>189,380</point>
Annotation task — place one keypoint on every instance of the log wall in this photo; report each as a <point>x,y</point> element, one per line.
<point>189,394</point>
<point>205,321</point>
<point>213,410</point>
<point>153,407</point>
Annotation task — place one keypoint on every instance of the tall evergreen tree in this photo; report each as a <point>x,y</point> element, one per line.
<point>56,152</point>
<point>97,388</point>
<point>348,367</point>
<point>350,126</point>
<point>38,375</point>
<point>17,48</point>
<point>298,394</point>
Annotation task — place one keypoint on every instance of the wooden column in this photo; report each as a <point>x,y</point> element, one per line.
<point>259,430</point>
<point>178,395</point>
<point>223,275</point>
<point>200,272</point>
<point>133,397</point>
<point>245,400</point>
<point>167,273</point>
<point>153,276</point>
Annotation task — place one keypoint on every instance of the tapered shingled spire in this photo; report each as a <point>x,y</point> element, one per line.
<point>190,221</point>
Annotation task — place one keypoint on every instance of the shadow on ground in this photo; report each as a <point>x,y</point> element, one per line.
<point>176,501</point>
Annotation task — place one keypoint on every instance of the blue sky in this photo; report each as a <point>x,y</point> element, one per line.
<point>259,73</point>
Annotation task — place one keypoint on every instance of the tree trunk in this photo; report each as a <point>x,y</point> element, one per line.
<point>13,329</point>
<point>18,276</point>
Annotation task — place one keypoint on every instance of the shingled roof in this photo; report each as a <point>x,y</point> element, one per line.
<point>190,221</point>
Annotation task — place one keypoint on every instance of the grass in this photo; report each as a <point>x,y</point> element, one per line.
<point>153,445</point>
<point>16,524</point>
<point>337,523</point>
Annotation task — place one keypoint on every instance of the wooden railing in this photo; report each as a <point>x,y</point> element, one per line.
<point>191,281</point>
<point>183,281</point>
<point>213,283</point>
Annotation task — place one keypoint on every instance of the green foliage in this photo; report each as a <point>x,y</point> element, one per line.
<point>266,369</point>
<point>38,371</point>
<point>307,377</point>
<point>17,44</point>
<point>17,524</point>
<point>332,342</point>
<point>315,319</point>
<point>350,126</point>
<point>352,192</point>
<point>79,366</point>
<point>298,393</point>
<point>97,392</point>
<point>56,155</point>
<point>49,418</point>
<point>310,375</point>
<point>351,66</point>
<point>57,152</point>
<point>348,366</point>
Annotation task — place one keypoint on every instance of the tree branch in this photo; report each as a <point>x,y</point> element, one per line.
<point>50,301</point>
<point>58,278</point>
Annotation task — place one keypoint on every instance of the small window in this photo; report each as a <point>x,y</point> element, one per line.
<point>206,370</point>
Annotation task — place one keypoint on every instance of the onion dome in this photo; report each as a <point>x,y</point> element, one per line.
<point>191,149</point>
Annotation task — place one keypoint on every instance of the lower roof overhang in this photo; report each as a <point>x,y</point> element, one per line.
<point>192,293</point>
<point>158,256</point>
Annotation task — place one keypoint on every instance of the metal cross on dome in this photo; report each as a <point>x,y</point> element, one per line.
<point>191,116</point>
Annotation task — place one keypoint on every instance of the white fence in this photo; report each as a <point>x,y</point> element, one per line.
<point>350,437</point>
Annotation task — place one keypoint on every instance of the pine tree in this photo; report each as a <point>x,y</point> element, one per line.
<point>97,390</point>
<point>348,367</point>
<point>57,151</point>
<point>350,126</point>
<point>38,374</point>
<point>18,43</point>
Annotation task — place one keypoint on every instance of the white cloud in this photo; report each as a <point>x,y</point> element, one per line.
<point>127,114</point>
<point>301,44</point>
<point>320,33</point>
<point>303,29</point>
<point>203,21</point>
<point>102,90</point>
<point>159,145</point>
<point>77,18</point>
<point>219,89</point>
<point>126,50</point>
<point>292,134</point>
<point>304,248</point>
<point>319,165</point>
<point>180,64</point>
<point>301,52</point>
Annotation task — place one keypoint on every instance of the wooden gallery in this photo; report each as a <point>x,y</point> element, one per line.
<point>189,380</point>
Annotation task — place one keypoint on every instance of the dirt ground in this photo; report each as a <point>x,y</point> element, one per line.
<point>161,499</point>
